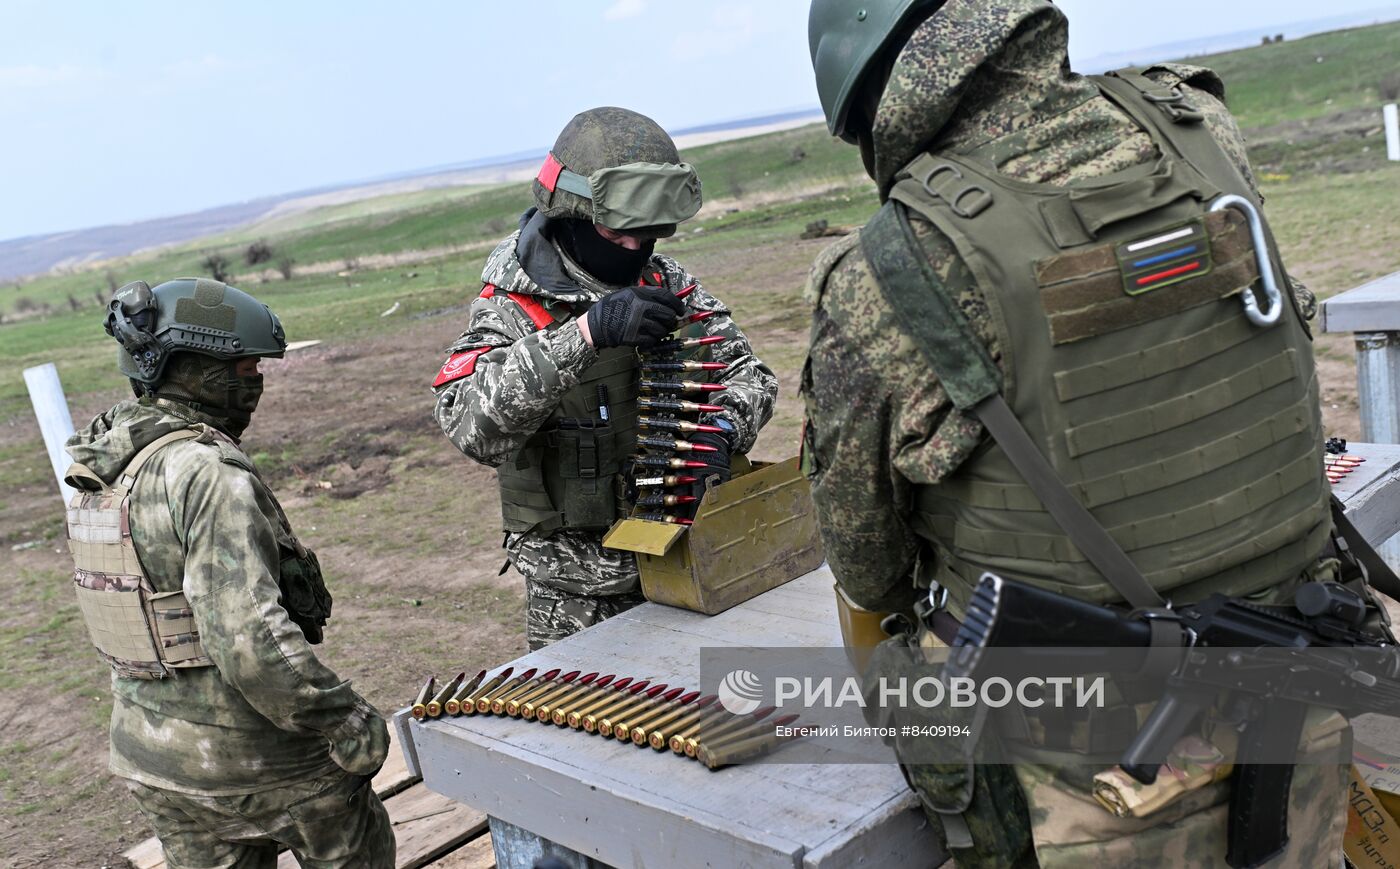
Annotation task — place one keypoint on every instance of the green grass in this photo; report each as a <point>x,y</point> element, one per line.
<point>1287,82</point>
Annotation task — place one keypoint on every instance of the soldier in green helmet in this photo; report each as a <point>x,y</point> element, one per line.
<point>1070,275</point>
<point>234,739</point>
<point>544,383</point>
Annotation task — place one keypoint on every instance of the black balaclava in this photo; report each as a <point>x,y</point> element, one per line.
<point>610,263</point>
<point>210,388</point>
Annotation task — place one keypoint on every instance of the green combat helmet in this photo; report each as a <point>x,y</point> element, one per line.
<point>190,314</point>
<point>846,39</point>
<point>618,169</point>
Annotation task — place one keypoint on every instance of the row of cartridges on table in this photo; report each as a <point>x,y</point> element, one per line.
<point>661,401</point>
<point>1339,463</point>
<point>623,709</point>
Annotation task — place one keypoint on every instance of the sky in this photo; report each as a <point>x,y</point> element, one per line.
<point>115,112</point>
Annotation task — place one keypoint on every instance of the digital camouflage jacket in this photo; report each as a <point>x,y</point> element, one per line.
<point>514,374</point>
<point>990,82</point>
<point>268,712</point>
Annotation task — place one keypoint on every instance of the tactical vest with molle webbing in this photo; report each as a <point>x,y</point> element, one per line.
<point>140,632</point>
<point>1183,419</point>
<point>569,473</point>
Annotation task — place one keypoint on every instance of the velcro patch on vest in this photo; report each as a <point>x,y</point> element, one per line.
<point>459,365</point>
<point>1165,258</point>
<point>1102,289</point>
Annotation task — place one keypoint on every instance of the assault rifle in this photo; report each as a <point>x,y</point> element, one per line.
<point>1270,662</point>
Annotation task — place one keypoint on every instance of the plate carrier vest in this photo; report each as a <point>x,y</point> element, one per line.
<point>569,473</point>
<point>1189,431</point>
<point>140,632</point>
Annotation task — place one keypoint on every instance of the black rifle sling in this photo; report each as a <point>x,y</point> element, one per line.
<point>973,383</point>
<point>1378,574</point>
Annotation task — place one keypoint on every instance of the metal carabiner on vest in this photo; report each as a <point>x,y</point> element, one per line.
<point>1261,255</point>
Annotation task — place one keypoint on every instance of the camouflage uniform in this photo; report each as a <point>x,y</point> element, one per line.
<point>990,82</point>
<point>267,747</point>
<point>571,581</point>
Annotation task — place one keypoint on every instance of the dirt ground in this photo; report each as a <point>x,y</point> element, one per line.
<point>405,526</point>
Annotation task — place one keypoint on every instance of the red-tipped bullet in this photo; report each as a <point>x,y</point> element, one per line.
<point>687,291</point>
<point>668,481</point>
<point>674,445</point>
<point>679,344</point>
<point>673,464</point>
<point>675,406</point>
<point>666,500</point>
<point>665,518</point>
<point>684,366</point>
<point>682,386</point>
<point>700,317</point>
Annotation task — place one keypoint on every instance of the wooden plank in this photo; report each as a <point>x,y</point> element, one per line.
<point>426,826</point>
<point>146,855</point>
<point>476,854</point>
<point>1372,492</point>
<point>1373,307</point>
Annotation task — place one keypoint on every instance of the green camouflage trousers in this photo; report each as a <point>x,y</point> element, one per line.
<point>328,823</point>
<point>1071,830</point>
<point>551,614</point>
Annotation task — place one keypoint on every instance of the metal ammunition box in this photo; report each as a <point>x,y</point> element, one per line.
<point>752,534</point>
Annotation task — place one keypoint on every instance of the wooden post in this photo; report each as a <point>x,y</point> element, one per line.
<point>1372,314</point>
<point>55,422</point>
<point>1392,132</point>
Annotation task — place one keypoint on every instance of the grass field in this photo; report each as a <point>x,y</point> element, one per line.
<point>407,527</point>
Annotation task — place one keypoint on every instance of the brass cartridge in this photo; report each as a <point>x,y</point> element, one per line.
<point>441,697</point>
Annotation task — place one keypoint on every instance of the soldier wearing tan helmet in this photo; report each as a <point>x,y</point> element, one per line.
<point>234,739</point>
<point>544,384</point>
<point>1067,263</point>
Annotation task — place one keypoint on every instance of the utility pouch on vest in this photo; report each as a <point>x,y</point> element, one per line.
<point>978,808</point>
<point>588,465</point>
<point>304,594</point>
<point>568,475</point>
<point>139,632</point>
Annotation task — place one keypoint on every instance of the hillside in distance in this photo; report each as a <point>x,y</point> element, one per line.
<point>30,255</point>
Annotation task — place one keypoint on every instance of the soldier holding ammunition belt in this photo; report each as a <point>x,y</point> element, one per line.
<point>546,384</point>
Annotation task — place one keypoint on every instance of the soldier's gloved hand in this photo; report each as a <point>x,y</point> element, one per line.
<point>718,463</point>
<point>360,745</point>
<point>633,317</point>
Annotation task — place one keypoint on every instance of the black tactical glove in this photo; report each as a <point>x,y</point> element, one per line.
<point>718,463</point>
<point>634,317</point>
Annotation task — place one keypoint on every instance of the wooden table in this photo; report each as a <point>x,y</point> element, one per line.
<point>586,799</point>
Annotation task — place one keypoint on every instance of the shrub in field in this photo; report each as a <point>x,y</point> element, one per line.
<point>258,252</point>
<point>285,266</point>
<point>1390,87</point>
<point>217,265</point>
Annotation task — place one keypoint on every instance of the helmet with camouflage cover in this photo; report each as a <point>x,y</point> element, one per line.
<point>847,40</point>
<point>196,315</point>
<point>618,169</point>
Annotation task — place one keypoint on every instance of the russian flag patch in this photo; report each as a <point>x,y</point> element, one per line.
<point>1168,256</point>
